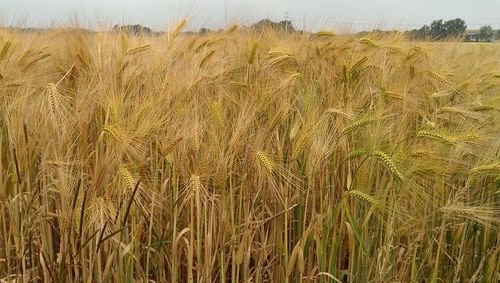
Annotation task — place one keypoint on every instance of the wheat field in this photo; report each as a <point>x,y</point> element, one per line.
<point>244,156</point>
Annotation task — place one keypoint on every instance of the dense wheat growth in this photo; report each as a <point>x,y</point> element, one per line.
<point>243,156</point>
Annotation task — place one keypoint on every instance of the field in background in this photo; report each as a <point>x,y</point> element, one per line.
<point>242,156</point>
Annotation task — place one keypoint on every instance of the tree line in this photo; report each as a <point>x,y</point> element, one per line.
<point>437,30</point>
<point>451,29</point>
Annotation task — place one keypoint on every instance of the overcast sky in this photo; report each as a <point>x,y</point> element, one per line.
<point>305,14</point>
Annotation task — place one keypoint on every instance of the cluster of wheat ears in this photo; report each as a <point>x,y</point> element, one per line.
<point>244,156</point>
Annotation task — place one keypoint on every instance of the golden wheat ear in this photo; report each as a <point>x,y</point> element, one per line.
<point>178,28</point>
<point>334,111</point>
<point>265,160</point>
<point>368,42</point>
<point>53,97</point>
<point>324,33</point>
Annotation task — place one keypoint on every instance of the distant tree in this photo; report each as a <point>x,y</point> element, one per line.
<point>419,34</point>
<point>440,30</point>
<point>455,28</point>
<point>262,24</point>
<point>497,35</point>
<point>424,31</point>
<point>135,29</point>
<point>286,25</point>
<point>437,30</point>
<point>204,31</point>
<point>268,24</point>
<point>486,33</point>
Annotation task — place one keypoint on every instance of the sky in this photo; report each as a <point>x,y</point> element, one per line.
<point>351,15</point>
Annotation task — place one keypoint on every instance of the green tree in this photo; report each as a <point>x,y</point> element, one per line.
<point>424,31</point>
<point>134,29</point>
<point>437,30</point>
<point>455,28</point>
<point>486,33</point>
<point>497,35</point>
<point>268,24</point>
<point>440,29</point>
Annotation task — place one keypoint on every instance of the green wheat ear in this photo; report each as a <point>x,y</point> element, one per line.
<point>364,197</point>
<point>356,125</point>
<point>359,63</point>
<point>493,168</point>
<point>302,144</point>
<point>497,179</point>
<point>309,101</point>
<point>324,33</point>
<point>394,95</point>
<point>355,154</point>
<point>482,108</point>
<point>382,156</point>
<point>443,138</point>
<point>368,42</point>
<point>487,169</point>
